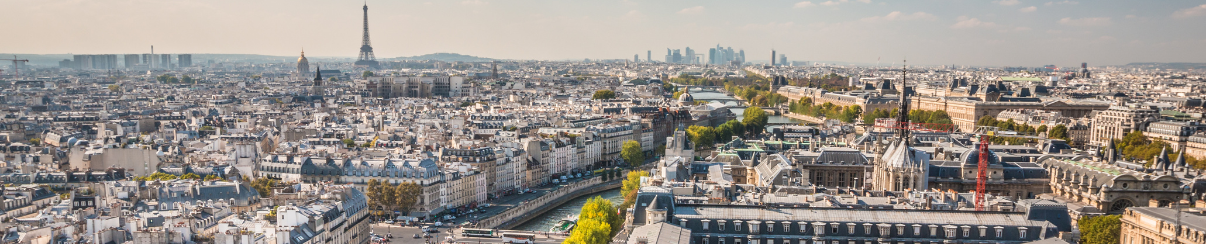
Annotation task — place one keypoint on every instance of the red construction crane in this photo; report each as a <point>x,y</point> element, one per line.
<point>982,171</point>
<point>16,71</point>
<point>985,133</point>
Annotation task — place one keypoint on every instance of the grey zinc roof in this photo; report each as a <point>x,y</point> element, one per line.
<point>660,233</point>
<point>857,215</point>
<point>1169,215</point>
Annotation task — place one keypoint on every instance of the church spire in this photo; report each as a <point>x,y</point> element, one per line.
<point>902,117</point>
<point>317,75</point>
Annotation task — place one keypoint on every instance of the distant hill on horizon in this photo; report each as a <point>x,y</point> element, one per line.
<point>1175,65</point>
<point>447,57</point>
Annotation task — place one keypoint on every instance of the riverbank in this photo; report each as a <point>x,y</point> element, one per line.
<point>527,211</point>
<point>573,207</point>
<point>804,118</point>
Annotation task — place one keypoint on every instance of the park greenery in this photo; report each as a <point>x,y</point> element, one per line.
<point>597,222</point>
<point>263,185</point>
<point>631,152</point>
<point>156,176</point>
<point>393,197</point>
<point>1100,229</point>
<point>702,136</point>
<point>603,94</point>
<point>1059,132</point>
<point>1136,146</point>
<point>707,136</point>
<point>630,186</point>
<point>869,118</point>
<point>190,176</point>
<point>846,114</point>
<point>168,78</point>
<point>755,120</point>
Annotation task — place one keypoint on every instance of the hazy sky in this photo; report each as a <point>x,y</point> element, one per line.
<point>1006,32</point>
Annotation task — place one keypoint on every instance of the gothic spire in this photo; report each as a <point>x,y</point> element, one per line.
<point>902,117</point>
<point>317,75</point>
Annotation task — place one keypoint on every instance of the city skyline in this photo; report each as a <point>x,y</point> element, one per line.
<point>930,32</point>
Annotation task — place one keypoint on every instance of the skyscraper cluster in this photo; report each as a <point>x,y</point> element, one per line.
<point>725,55</point>
<point>130,61</point>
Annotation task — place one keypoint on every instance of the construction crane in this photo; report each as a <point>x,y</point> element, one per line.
<point>16,71</point>
<point>985,133</point>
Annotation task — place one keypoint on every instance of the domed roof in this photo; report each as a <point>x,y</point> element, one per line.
<point>971,158</point>
<point>302,59</point>
<point>686,98</point>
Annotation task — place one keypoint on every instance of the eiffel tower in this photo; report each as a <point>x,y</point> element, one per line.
<point>366,58</point>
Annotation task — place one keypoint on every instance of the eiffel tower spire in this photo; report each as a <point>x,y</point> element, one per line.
<point>366,59</point>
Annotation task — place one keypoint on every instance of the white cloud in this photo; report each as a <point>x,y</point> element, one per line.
<point>833,2</point>
<point>474,3</point>
<point>1131,16</point>
<point>1062,3</point>
<point>804,4</point>
<point>772,26</point>
<point>1021,28</point>
<point>632,15</point>
<point>692,10</point>
<point>967,23</point>
<point>1096,21</point>
<point>1028,9</point>
<point>1191,12</point>
<point>897,15</point>
<point>1006,2</point>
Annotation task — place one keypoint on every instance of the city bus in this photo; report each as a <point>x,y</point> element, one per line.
<point>518,238</point>
<point>477,232</point>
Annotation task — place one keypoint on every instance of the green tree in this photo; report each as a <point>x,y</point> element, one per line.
<point>630,186</point>
<point>604,94</point>
<point>1100,230</point>
<point>212,177</point>
<point>724,133</point>
<point>349,142</point>
<point>603,211</point>
<point>732,128</point>
<point>702,136</point>
<point>366,74</point>
<point>1059,132</point>
<point>190,176</point>
<point>373,192</point>
<point>389,197</point>
<point>263,185</point>
<point>590,231</point>
<point>631,152</point>
<point>407,195</point>
<point>986,121</point>
<point>35,141</point>
<point>1041,129</point>
<point>669,87</point>
<point>754,120</point>
<point>114,88</point>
